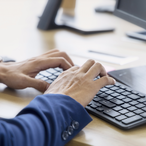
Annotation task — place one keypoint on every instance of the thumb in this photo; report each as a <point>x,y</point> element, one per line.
<point>38,84</point>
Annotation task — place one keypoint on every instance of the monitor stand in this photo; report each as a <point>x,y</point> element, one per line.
<point>137,35</point>
<point>48,20</point>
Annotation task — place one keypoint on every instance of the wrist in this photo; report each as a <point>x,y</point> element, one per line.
<point>2,72</point>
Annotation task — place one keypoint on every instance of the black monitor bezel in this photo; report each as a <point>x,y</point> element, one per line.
<point>129,17</point>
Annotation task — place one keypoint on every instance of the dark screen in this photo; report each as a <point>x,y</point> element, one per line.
<point>136,8</point>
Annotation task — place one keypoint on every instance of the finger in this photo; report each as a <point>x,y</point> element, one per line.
<point>54,62</point>
<point>74,68</point>
<point>61,54</point>
<point>103,81</point>
<point>87,65</point>
<point>51,52</point>
<point>95,70</point>
<point>37,84</point>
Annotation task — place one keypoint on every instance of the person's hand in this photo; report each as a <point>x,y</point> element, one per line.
<point>19,75</point>
<point>79,83</point>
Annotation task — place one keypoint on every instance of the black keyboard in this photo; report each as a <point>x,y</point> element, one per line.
<point>116,104</point>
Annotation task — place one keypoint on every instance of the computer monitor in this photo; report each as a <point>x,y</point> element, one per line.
<point>48,20</point>
<point>133,11</point>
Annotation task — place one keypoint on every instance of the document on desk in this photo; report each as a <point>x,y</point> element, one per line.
<point>80,61</point>
<point>111,58</point>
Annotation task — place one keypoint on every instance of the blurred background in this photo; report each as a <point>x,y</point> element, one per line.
<point>20,38</point>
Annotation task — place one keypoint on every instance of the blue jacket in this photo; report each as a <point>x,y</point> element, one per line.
<point>49,120</point>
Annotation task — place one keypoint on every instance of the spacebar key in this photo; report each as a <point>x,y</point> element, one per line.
<point>132,119</point>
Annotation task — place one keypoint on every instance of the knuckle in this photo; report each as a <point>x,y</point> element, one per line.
<point>56,49</point>
<point>75,67</point>
<point>62,53</point>
<point>99,65</point>
<point>91,61</point>
<point>62,59</point>
<point>107,80</point>
<point>63,73</point>
<point>78,79</point>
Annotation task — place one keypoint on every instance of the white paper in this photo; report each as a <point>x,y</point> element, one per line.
<point>121,60</point>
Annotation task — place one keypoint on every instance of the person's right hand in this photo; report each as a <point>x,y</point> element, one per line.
<point>79,83</point>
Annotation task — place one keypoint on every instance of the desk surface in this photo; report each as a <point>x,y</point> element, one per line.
<point>20,39</point>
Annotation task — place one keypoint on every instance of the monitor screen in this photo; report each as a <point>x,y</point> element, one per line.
<point>136,8</point>
<point>132,10</point>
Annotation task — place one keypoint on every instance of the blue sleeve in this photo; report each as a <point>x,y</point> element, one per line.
<point>49,120</point>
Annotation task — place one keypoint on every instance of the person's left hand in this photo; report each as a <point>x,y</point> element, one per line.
<point>19,75</point>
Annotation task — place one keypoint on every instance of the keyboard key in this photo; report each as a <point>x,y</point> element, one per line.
<point>103,89</point>
<point>89,104</point>
<point>121,97</point>
<point>96,99</point>
<point>144,109</point>
<point>122,87</point>
<point>51,70</point>
<point>133,103</point>
<point>44,79</point>
<point>124,111</point>
<point>132,119</point>
<point>133,96</point>
<point>111,113</point>
<point>132,108</point>
<point>99,92</point>
<point>109,92</point>
<point>134,92</point>
<point>117,101</point>
<point>118,85</point>
<point>114,88</point>
<point>128,89</point>
<point>117,108</point>
<point>100,109</point>
<point>122,117</point>
<point>138,111</point>
<point>92,102</point>
<point>120,91</point>
<point>143,115</point>
<point>103,95</point>
<point>49,81</point>
<point>126,93</point>
<point>52,77</point>
<point>115,94</point>
<point>39,76</point>
<point>140,105</point>
<point>45,73</point>
<point>109,86</point>
<point>130,114</point>
<point>127,100</point>
<point>141,100</point>
<point>93,106</point>
<point>108,98</point>
<point>107,103</point>
<point>141,95</point>
<point>98,104</point>
<point>59,69</point>
<point>57,73</point>
<point>126,105</point>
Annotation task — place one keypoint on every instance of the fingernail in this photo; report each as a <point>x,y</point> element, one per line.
<point>114,81</point>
